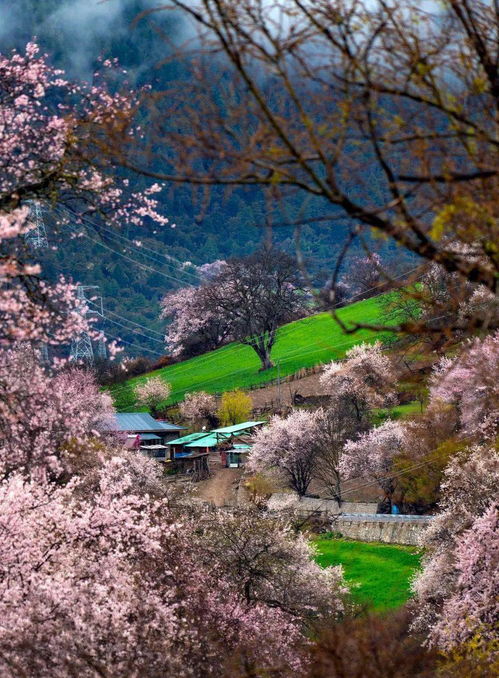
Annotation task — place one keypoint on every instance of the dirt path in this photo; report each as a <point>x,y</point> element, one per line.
<point>269,395</point>
<point>220,488</point>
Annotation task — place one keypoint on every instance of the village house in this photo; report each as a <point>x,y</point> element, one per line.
<point>234,442</point>
<point>145,433</point>
<point>231,444</point>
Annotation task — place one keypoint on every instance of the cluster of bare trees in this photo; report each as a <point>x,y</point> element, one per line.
<point>387,112</point>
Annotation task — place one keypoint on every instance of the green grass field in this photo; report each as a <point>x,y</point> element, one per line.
<point>304,343</point>
<point>397,412</point>
<point>379,574</point>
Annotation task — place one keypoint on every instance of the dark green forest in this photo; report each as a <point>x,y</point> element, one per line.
<point>134,268</point>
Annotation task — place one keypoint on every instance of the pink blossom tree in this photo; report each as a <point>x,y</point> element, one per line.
<point>211,269</point>
<point>152,393</point>
<point>56,146</point>
<point>197,406</point>
<point>246,300</point>
<point>49,424</point>
<point>286,448</point>
<point>274,565</point>
<point>469,491</point>
<point>371,455</point>
<point>364,380</point>
<point>472,610</point>
<point>471,383</point>
<point>193,329</point>
<point>365,276</point>
<point>108,583</point>
<point>334,427</point>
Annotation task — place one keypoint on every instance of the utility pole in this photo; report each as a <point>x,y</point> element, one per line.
<point>279,383</point>
<point>81,346</point>
<point>36,237</point>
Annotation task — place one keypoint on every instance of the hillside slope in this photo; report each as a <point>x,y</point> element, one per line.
<point>303,343</point>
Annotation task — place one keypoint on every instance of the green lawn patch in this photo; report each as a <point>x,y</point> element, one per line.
<point>304,343</point>
<point>379,574</point>
<point>397,412</point>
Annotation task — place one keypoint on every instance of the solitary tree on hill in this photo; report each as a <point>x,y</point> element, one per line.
<point>246,301</point>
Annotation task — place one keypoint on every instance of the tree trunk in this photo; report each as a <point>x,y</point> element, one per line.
<point>262,349</point>
<point>266,362</point>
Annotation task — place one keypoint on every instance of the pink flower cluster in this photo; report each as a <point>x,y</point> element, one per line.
<point>198,405</point>
<point>152,392</point>
<point>48,423</point>
<point>471,382</point>
<point>371,455</point>
<point>58,142</point>
<point>364,377</point>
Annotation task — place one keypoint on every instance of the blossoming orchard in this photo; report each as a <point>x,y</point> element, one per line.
<point>275,450</point>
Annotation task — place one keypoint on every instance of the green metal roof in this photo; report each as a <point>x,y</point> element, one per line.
<point>238,428</point>
<point>207,441</point>
<point>188,438</point>
<point>211,438</point>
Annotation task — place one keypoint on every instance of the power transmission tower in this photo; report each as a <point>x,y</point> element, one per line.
<point>81,346</point>
<point>101,349</point>
<point>36,237</point>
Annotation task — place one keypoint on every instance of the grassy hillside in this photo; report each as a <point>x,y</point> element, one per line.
<point>379,574</point>
<point>304,343</point>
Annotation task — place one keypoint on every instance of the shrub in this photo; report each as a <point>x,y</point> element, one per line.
<point>235,407</point>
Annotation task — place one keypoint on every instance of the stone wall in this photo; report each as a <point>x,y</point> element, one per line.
<point>357,520</point>
<point>282,501</point>
<point>393,532</point>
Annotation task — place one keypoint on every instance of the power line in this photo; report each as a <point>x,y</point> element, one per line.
<point>159,341</point>
<point>240,348</point>
<point>115,322</point>
<point>140,249</point>
<point>149,329</point>
<point>134,261</point>
<point>125,341</point>
<point>182,282</point>
<point>132,245</point>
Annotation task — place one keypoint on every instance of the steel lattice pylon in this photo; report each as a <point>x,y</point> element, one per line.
<point>81,349</point>
<point>81,346</point>
<point>101,349</point>
<point>36,237</point>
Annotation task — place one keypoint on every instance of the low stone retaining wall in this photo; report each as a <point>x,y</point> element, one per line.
<point>282,501</point>
<point>354,520</point>
<point>399,531</point>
